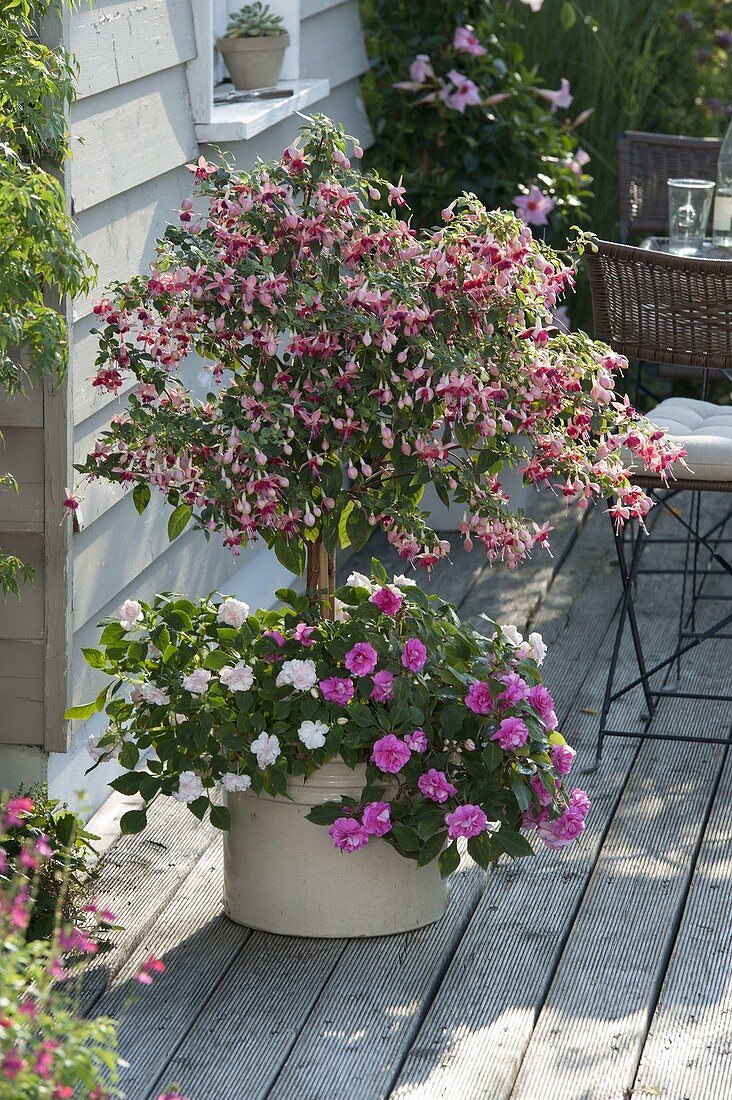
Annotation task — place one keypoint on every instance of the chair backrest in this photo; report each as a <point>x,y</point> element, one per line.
<point>645,163</point>
<point>662,308</point>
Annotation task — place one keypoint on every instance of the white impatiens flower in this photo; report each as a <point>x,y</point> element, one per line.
<point>233,613</point>
<point>233,782</point>
<point>358,580</point>
<point>101,752</point>
<point>512,634</point>
<point>535,647</point>
<point>266,748</point>
<point>130,614</point>
<point>238,677</point>
<point>197,682</point>
<point>190,787</point>
<point>313,734</point>
<point>301,675</point>
<point>402,581</point>
<point>154,695</point>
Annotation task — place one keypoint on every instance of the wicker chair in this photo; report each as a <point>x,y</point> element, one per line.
<point>645,163</point>
<point>670,310</point>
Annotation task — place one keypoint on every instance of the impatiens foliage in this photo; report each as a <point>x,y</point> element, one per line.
<point>456,730</point>
<point>356,359</point>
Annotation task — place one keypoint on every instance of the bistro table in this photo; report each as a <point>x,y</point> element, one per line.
<point>709,251</point>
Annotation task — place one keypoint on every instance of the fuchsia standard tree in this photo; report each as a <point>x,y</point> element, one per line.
<point>354,360</point>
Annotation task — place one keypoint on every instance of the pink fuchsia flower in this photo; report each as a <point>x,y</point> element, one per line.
<point>463,94</point>
<point>387,600</point>
<point>304,634</point>
<point>390,754</point>
<point>337,689</point>
<point>395,194</point>
<point>361,660</point>
<point>561,98</point>
<point>512,733</point>
<point>417,741</point>
<point>383,688</point>
<point>436,786</point>
<point>466,40</point>
<point>414,655</point>
<point>479,698</point>
<point>534,207</point>
<point>563,759</point>
<point>71,502</point>
<point>377,818</point>
<point>544,795</point>
<point>540,700</point>
<point>466,821</point>
<point>348,834</point>
<point>565,829</point>
<point>421,69</point>
<point>148,969</point>
<point>515,690</point>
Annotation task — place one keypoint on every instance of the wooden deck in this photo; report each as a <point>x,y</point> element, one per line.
<point>600,973</point>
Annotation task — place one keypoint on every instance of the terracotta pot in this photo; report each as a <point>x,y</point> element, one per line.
<point>283,874</point>
<point>254,62</point>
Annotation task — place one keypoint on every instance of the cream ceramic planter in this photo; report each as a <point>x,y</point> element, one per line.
<point>254,62</point>
<point>283,874</point>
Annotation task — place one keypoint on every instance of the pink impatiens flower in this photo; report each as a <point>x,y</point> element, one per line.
<point>466,821</point>
<point>479,698</point>
<point>563,759</point>
<point>565,829</point>
<point>464,93</point>
<point>304,634</point>
<point>337,689</point>
<point>512,733</point>
<point>436,786</point>
<point>361,660</point>
<point>377,818</point>
<point>387,600</point>
<point>466,40</point>
<point>534,207</point>
<point>560,98</point>
<point>417,741</point>
<point>348,834</point>
<point>414,655</point>
<point>540,700</point>
<point>383,688</point>
<point>390,754</point>
<point>515,690</point>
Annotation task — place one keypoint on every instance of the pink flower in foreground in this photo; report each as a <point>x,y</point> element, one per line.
<point>515,690</point>
<point>416,741</point>
<point>348,834</point>
<point>464,93</point>
<point>304,634</point>
<point>377,818</point>
<point>512,733</point>
<point>468,42</point>
<point>387,600</point>
<point>16,810</point>
<point>540,700</point>
<point>414,655</point>
<point>466,821</point>
<point>436,786</point>
<point>560,98</point>
<point>383,688</point>
<point>579,160</point>
<point>563,759</point>
<point>390,753</point>
<point>337,689</point>
<point>149,968</point>
<point>565,829</point>
<point>421,69</point>
<point>544,795</point>
<point>479,698</point>
<point>534,207</point>
<point>361,660</point>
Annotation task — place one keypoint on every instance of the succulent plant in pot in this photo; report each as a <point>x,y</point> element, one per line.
<point>254,46</point>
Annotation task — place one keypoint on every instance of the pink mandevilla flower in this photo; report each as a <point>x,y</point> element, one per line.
<point>466,40</point>
<point>535,206</point>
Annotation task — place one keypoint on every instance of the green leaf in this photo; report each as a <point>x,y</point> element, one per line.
<point>493,756</point>
<point>522,793</point>
<point>449,860</point>
<point>134,821</point>
<point>129,783</point>
<point>513,843</point>
<point>452,718</point>
<point>217,659</point>
<point>405,837</point>
<point>179,520</point>
<point>481,849</point>
<point>343,525</point>
<point>78,714</point>
<point>568,15</point>
<point>94,658</point>
<point>291,553</point>
<point>141,496</point>
<point>431,848</point>
<point>221,817</point>
<point>112,633</point>
<point>325,814</point>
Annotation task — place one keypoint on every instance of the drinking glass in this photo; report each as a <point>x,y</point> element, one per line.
<point>689,204</point>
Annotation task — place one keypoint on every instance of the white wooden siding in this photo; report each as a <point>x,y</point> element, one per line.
<point>115,42</point>
<point>331,44</point>
<point>22,456</point>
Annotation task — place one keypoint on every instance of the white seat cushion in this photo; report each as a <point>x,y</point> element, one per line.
<point>705,430</point>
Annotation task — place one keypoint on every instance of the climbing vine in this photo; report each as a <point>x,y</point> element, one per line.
<point>40,262</point>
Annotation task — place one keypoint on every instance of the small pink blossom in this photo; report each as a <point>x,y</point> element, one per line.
<point>563,759</point>
<point>565,829</point>
<point>479,698</point>
<point>148,969</point>
<point>304,634</point>
<point>421,69</point>
<point>512,733</point>
<point>534,207</point>
<point>560,98</point>
<point>390,754</point>
<point>387,600</point>
<point>414,655</point>
<point>545,796</point>
<point>337,689</point>
<point>17,810</point>
<point>466,821</point>
<point>361,660</point>
<point>436,786</point>
<point>383,688</point>
<point>417,741</point>
<point>540,700</point>
<point>348,834</point>
<point>466,40</point>
<point>515,690</point>
<point>464,92</point>
<point>377,818</point>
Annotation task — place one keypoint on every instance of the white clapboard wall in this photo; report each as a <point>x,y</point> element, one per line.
<point>133,131</point>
